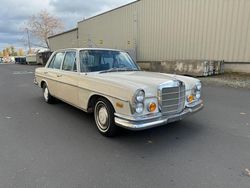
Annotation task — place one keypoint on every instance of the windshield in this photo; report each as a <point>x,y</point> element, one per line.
<point>106,61</point>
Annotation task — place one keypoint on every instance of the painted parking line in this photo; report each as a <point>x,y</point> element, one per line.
<point>22,72</point>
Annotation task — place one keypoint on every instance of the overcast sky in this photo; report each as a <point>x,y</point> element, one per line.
<point>14,14</point>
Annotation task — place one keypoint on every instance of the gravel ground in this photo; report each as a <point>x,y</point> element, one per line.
<point>235,80</point>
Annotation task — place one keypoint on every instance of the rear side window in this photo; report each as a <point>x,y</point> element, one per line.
<point>69,63</point>
<point>57,60</point>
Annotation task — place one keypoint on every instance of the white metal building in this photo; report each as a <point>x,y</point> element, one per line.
<point>160,30</point>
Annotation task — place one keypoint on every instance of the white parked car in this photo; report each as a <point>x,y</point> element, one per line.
<point>111,85</point>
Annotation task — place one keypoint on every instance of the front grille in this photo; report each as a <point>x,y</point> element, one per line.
<point>173,99</point>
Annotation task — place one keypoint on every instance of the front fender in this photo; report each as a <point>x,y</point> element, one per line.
<point>120,106</point>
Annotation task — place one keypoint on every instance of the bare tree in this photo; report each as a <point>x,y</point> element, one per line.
<point>44,25</point>
<point>9,51</point>
<point>20,52</point>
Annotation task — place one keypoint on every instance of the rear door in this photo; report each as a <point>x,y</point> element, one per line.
<point>68,78</point>
<point>52,72</point>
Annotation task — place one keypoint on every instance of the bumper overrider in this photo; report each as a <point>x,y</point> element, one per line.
<point>35,81</point>
<point>158,120</point>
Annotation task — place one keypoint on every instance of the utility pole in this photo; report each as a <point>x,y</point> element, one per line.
<point>27,30</point>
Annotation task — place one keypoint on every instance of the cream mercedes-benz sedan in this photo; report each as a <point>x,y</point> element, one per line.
<point>111,85</point>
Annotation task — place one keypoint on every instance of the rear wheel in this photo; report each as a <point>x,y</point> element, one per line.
<point>46,95</point>
<point>104,118</point>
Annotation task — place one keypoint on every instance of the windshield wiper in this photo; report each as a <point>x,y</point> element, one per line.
<point>118,70</point>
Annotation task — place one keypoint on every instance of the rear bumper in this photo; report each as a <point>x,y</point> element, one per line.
<point>158,121</point>
<point>35,81</point>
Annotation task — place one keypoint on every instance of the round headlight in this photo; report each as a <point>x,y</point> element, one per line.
<point>140,96</point>
<point>198,86</point>
<point>198,95</point>
<point>139,108</point>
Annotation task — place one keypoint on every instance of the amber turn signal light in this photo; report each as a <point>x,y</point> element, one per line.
<point>152,107</point>
<point>119,105</point>
<point>191,98</point>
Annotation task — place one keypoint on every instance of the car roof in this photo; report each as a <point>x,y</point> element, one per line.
<point>78,49</point>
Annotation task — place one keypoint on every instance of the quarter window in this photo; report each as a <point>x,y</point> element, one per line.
<point>69,63</point>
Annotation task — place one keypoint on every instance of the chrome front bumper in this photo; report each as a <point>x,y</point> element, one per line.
<point>158,121</point>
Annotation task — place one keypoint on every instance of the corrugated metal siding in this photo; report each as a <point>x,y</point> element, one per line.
<point>171,29</point>
<point>194,29</point>
<point>115,29</point>
<point>65,40</point>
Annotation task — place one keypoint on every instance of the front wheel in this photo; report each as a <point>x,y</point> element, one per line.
<point>104,118</point>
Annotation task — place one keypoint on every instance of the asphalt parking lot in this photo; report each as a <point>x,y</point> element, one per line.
<point>58,146</point>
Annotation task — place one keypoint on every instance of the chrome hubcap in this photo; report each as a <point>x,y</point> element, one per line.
<point>46,94</point>
<point>102,117</point>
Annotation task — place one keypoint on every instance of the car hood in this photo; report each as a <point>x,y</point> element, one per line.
<point>148,81</point>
